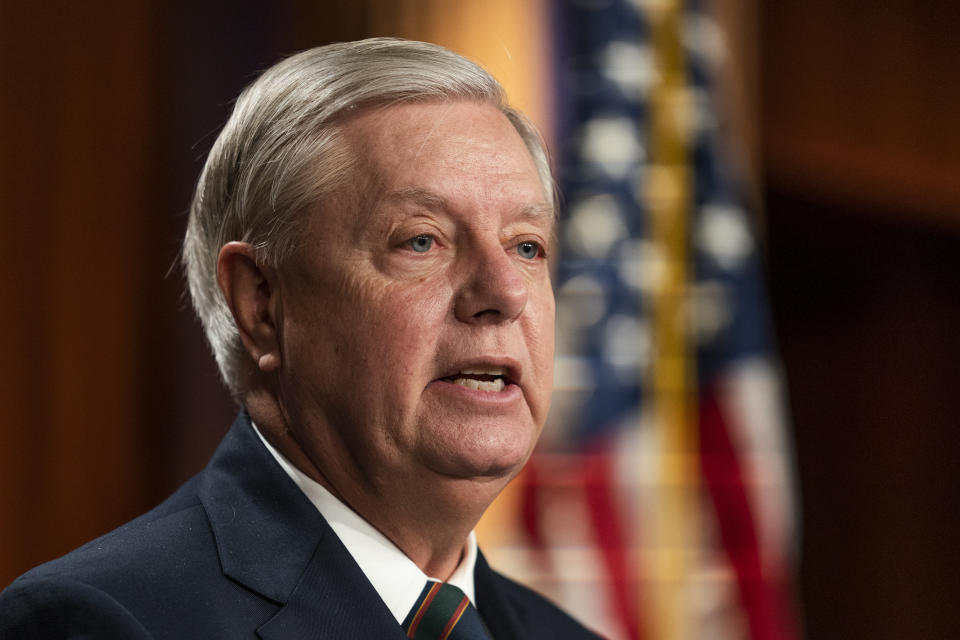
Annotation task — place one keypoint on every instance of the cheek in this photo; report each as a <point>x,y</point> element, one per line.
<point>542,325</point>
<point>540,342</point>
<point>399,322</point>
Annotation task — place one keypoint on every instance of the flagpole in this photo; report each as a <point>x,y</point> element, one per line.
<point>668,200</point>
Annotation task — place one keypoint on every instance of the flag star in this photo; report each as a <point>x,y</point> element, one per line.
<point>642,265</point>
<point>710,310</point>
<point>704,39</point>
<point>626,346</point>
<point>612,144</point>
<point>723,236</point>
<point>582,301</point>
<point>572,373</point>
<point>630,66</point>
<point>595,225</point>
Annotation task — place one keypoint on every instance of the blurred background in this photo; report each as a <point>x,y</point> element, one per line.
<point>759,288</point>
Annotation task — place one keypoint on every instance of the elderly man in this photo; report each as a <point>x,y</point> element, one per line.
<point>368,253</point>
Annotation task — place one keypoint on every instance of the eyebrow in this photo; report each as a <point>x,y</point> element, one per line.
<point>436,202</point>
<point>422,197</point>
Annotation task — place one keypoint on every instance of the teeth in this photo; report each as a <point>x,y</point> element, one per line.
<point>480,385</point>
<point>485,370</point>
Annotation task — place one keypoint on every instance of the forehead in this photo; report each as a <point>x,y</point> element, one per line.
<point>444,148</point>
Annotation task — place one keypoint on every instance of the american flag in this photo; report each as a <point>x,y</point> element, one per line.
<point>662,504</point>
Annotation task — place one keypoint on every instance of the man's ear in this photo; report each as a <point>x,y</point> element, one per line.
<point>249,292</point>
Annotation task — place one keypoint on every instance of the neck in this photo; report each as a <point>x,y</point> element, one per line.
<point>427,516</point>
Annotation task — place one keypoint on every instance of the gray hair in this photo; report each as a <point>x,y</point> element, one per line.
<point>280,153</point>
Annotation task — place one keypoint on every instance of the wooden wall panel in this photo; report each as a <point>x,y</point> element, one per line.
<point>867,312</point>
<point>861,102</point>
<point>507,38</point>
<point>74,118</point>
<point>861,152</point>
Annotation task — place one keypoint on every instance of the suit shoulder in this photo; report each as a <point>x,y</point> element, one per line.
<point>157,541</point>
<point>158,576</point>
<point>60,607</point>
<point>538,612</point>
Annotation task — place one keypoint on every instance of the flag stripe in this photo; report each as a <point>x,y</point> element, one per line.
<point>613,543</point>
<point>661,298</point>
<point>760,593</point>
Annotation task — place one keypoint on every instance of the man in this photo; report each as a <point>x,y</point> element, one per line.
<point>368,253</point>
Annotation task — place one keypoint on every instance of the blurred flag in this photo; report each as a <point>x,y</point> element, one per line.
<point>662,506</point>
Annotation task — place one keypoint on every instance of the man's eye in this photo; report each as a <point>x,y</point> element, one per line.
<point>529,250</point>
<point>421,243</point>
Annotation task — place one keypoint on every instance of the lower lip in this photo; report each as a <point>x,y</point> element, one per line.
<point>510,394</point>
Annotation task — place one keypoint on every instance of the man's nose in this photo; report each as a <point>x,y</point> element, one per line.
<point>494,289</point>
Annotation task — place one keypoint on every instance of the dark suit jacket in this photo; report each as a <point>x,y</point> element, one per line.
<point>237,551</point>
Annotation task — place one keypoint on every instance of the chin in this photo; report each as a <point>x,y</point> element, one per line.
<point>490,469</point>
<point>485,457</point>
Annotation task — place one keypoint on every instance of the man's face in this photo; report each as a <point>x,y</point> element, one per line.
<point>418,317</point>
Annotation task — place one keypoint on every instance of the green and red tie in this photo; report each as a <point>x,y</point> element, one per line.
<point>444,612</point>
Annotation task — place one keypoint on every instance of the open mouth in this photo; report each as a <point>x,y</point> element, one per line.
<point>492,379</point>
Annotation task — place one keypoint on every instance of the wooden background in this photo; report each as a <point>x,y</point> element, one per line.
<point>109,398</point>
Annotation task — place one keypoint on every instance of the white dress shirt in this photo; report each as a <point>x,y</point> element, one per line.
<point>395,576</point>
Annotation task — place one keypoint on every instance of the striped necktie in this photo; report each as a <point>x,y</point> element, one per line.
<point>443,612</point>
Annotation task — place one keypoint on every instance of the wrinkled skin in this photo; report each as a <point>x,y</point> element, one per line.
<point>435,262</point>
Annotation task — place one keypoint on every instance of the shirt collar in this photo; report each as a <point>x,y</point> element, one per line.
<point>395,577</point>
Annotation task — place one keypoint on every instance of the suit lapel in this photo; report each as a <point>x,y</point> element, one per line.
<point>333,599</point>
<point>498,614</point>
<point>271,539</point>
